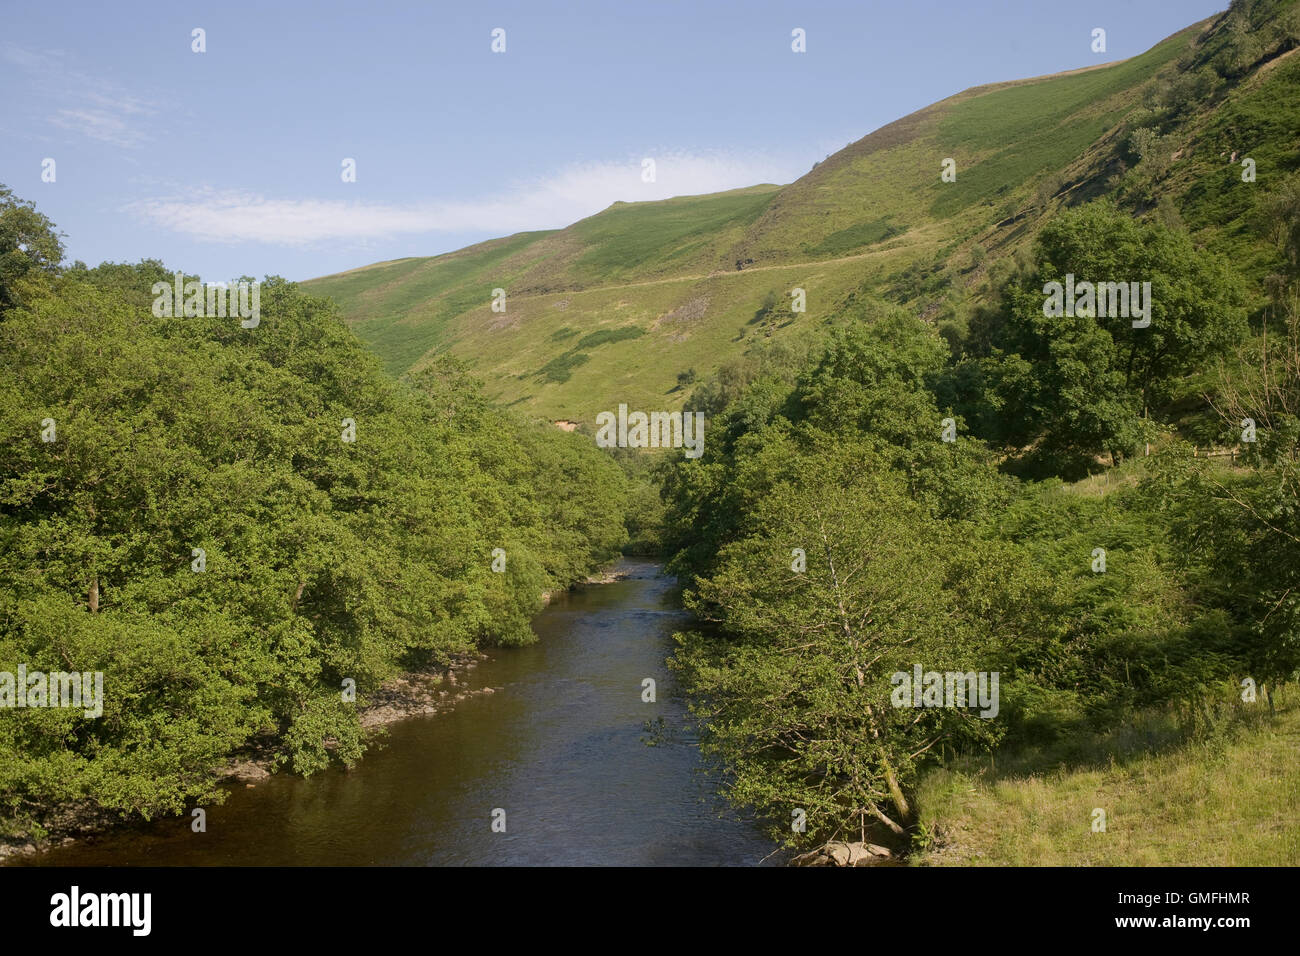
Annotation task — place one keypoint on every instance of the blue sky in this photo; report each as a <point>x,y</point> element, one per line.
<point>228,162</point>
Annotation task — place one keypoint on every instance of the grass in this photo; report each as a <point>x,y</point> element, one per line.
<point>638,369</point>
<point>560,369</point>
<point>854,237</point>
<point>653,238</point>
<point>1024,130</point>
<point>400,309</point>
<point>1231,798</point>
<point>1261,123</point>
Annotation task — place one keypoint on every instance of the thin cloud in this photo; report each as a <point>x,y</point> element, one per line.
<point>88,106</point>
<point>103,125</point>
<point>573,193</point>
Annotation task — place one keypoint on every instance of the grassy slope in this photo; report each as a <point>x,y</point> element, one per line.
<point>1261,121</point>
<point>857,221</point>
<point>1232,800</point>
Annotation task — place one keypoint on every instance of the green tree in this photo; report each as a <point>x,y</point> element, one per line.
<point>1076,386</point>
<point>795,697</point>
<point>29,247</point>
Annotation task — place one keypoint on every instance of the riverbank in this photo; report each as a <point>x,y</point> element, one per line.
<point>410,694</point>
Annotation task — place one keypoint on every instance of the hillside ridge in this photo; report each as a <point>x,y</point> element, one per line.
<point>616,306</point>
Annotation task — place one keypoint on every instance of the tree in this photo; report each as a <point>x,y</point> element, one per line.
<point>29,247</point>
<point>1244,529</point>
<point>795,695</point>
<point>1281,220</point>
<point>1078,385</point>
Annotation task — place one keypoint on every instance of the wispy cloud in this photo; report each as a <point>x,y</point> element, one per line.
<point>101,124</point>
<point>88,106</point>
<point>572,193</point>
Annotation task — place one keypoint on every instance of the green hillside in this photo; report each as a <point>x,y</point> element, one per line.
<point>1157,131</point>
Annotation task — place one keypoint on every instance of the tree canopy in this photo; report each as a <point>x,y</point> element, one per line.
<point>184,507</point>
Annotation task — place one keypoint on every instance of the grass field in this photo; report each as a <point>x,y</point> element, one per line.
<point>1228,799</point>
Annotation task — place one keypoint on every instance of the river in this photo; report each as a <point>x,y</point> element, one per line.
<point>561,748</point>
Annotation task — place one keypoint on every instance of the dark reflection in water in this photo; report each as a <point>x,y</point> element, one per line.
<point>560,748</point>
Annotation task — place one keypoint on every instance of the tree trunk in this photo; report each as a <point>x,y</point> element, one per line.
<point>875,812</point>
<point>94,594</point>
<point>895,791</point>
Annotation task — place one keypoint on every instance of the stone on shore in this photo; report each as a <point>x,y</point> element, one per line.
<point>837,853</point>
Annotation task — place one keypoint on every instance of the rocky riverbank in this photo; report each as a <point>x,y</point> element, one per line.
<point>413,694</point>
<point>601,577</point>
<point>837,853</point>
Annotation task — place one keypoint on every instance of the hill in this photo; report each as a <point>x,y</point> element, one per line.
<point>614,307</point>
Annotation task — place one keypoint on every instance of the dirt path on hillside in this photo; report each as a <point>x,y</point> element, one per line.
<point>723,273</point>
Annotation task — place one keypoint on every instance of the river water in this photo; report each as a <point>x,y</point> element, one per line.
<point>561,748</point>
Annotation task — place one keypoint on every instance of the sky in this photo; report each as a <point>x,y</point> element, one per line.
<point>230,162</point>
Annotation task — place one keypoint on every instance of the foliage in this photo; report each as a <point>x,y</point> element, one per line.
<point>324,560</point>
<point>29,247</point>
<point>1075,386</point>
<point>919,551</point>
